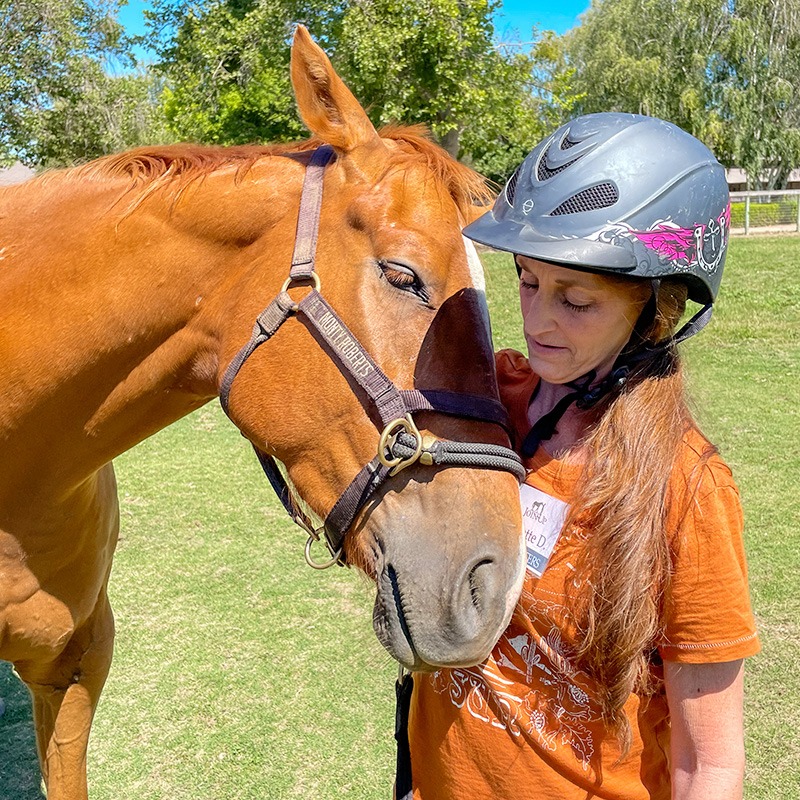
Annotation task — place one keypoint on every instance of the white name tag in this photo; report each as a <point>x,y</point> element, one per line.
<point>542,519</point>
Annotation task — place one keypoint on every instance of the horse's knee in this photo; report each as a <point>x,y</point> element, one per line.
<point>89,653</point>
<point>65,692</point>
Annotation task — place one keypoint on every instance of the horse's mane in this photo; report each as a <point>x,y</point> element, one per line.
<point>466,187</point>
<point>177,165</point>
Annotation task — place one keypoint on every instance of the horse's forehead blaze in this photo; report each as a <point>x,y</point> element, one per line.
<point>476,272</point>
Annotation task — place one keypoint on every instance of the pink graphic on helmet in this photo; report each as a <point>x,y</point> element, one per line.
<point>676,244</point>
<point>702,245</point>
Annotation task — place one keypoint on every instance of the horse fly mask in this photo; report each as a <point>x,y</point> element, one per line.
<point>401,443</point>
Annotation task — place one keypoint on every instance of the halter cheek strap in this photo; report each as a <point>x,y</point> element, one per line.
<point>401,444</point>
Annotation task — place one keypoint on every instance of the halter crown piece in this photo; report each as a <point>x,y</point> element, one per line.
<point>400,444</point>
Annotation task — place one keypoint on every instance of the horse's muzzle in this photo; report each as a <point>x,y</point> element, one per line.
<point>446,587</point>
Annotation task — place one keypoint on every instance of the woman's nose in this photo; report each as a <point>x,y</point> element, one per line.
<point>538,314</point>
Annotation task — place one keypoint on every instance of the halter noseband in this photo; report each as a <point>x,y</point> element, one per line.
<point>401,443</point>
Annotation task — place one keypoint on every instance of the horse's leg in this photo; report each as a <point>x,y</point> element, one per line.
<point>65,693</point>
<point>65,631</point>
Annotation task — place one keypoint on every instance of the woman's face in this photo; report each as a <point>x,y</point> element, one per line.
<point>576,321</point>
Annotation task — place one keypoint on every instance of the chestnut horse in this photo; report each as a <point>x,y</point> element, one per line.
<point>127,286</point>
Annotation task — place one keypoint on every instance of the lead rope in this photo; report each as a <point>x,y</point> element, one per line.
<point>404,687</point>
<point>443,453</point>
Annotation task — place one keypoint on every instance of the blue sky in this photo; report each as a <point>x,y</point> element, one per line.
<point>514,23</point>
<point>518,17</point>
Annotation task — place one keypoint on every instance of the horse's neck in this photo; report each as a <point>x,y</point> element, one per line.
<point>105,338</point>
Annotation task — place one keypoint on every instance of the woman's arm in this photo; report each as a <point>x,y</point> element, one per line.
<point>707,753</point>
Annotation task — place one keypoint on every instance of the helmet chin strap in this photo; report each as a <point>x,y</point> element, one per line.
<point>585,395</point>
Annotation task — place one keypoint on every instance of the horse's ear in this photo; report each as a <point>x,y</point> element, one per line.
<point>475,211</point>
<point>326,105</point>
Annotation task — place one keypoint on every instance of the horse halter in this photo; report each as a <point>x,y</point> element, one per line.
<point>401,444</point>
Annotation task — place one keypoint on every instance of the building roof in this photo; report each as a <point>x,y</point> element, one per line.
<point>15,174</point>
<point>736,175</point>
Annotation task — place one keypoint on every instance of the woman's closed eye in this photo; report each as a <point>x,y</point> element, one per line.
<point>577,307</point>
<point>570,304</point>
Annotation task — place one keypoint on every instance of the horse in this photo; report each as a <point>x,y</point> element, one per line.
<point>128,288</point>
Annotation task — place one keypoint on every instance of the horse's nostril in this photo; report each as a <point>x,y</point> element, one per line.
<point>398,603</point>
<point>477,582</point>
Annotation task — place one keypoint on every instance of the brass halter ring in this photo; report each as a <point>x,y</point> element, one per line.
<point>388,439</point>
<point>314,536</point>
<point>334,559</point>
<point>313,276</point>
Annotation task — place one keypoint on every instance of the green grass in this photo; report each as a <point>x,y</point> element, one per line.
<point>242,674</point>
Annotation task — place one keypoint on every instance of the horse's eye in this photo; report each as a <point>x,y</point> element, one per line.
<point>402,277</point>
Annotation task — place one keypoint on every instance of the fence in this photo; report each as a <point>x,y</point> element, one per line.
<point>765,212</point>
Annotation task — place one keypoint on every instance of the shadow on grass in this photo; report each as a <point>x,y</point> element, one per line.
<point>19,766</point>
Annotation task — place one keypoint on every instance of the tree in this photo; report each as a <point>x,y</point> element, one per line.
<point>58,101</point>
<point>760,95</point>
<point>724,71</point>
<point>652,57</point>
<point>226,68</point>
<point>436,61</point>
<point>554,80</point>
<point>430,61</point>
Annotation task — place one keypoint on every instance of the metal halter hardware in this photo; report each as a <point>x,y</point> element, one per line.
<point>389,439</point>
<point>401,443</point>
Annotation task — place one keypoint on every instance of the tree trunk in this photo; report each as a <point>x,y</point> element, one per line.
<point>450,141</point>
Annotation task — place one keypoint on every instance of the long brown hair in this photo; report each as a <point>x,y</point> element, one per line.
<point>621,502</point>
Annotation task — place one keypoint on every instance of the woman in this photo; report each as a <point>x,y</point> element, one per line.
<point>620,674</point>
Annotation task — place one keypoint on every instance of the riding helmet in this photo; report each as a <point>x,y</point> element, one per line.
<point>621,194</point>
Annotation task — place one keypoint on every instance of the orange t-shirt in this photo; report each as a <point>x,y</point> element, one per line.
<point>526,721</point>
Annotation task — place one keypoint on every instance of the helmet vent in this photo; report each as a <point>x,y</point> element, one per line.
<point>602,195</point>
<point>544,173</point>
<point>511,187</point>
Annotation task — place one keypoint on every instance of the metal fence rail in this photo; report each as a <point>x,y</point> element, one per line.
<point>765,212</point>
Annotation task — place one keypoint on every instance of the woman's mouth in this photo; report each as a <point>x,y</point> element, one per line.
<point>543,348</point>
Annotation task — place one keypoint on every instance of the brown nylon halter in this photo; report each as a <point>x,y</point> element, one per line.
<point>401,443</point>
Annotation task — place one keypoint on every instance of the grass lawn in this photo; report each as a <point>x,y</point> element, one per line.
<point>241,674</point>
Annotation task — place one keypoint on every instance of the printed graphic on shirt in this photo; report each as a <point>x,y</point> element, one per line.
<point>529,687</point>
<point>542,519</point>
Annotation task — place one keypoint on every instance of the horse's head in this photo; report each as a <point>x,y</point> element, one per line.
<point>443,544</point>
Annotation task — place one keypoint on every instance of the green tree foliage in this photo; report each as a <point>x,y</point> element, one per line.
<point>436,61</point>
<point>430,61</point>
<point>759,96</point>
<point>226,66</point>
<point>651,57</point>
<point>727,72</point>
<point>555,80</point>
<point>58,102</point>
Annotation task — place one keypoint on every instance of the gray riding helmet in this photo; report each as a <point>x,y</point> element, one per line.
<point>621,194</point>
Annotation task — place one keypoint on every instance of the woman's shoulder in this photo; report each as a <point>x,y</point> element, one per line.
<point>700,470</point>
<point>514,373</point>
<point>512,365</point>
